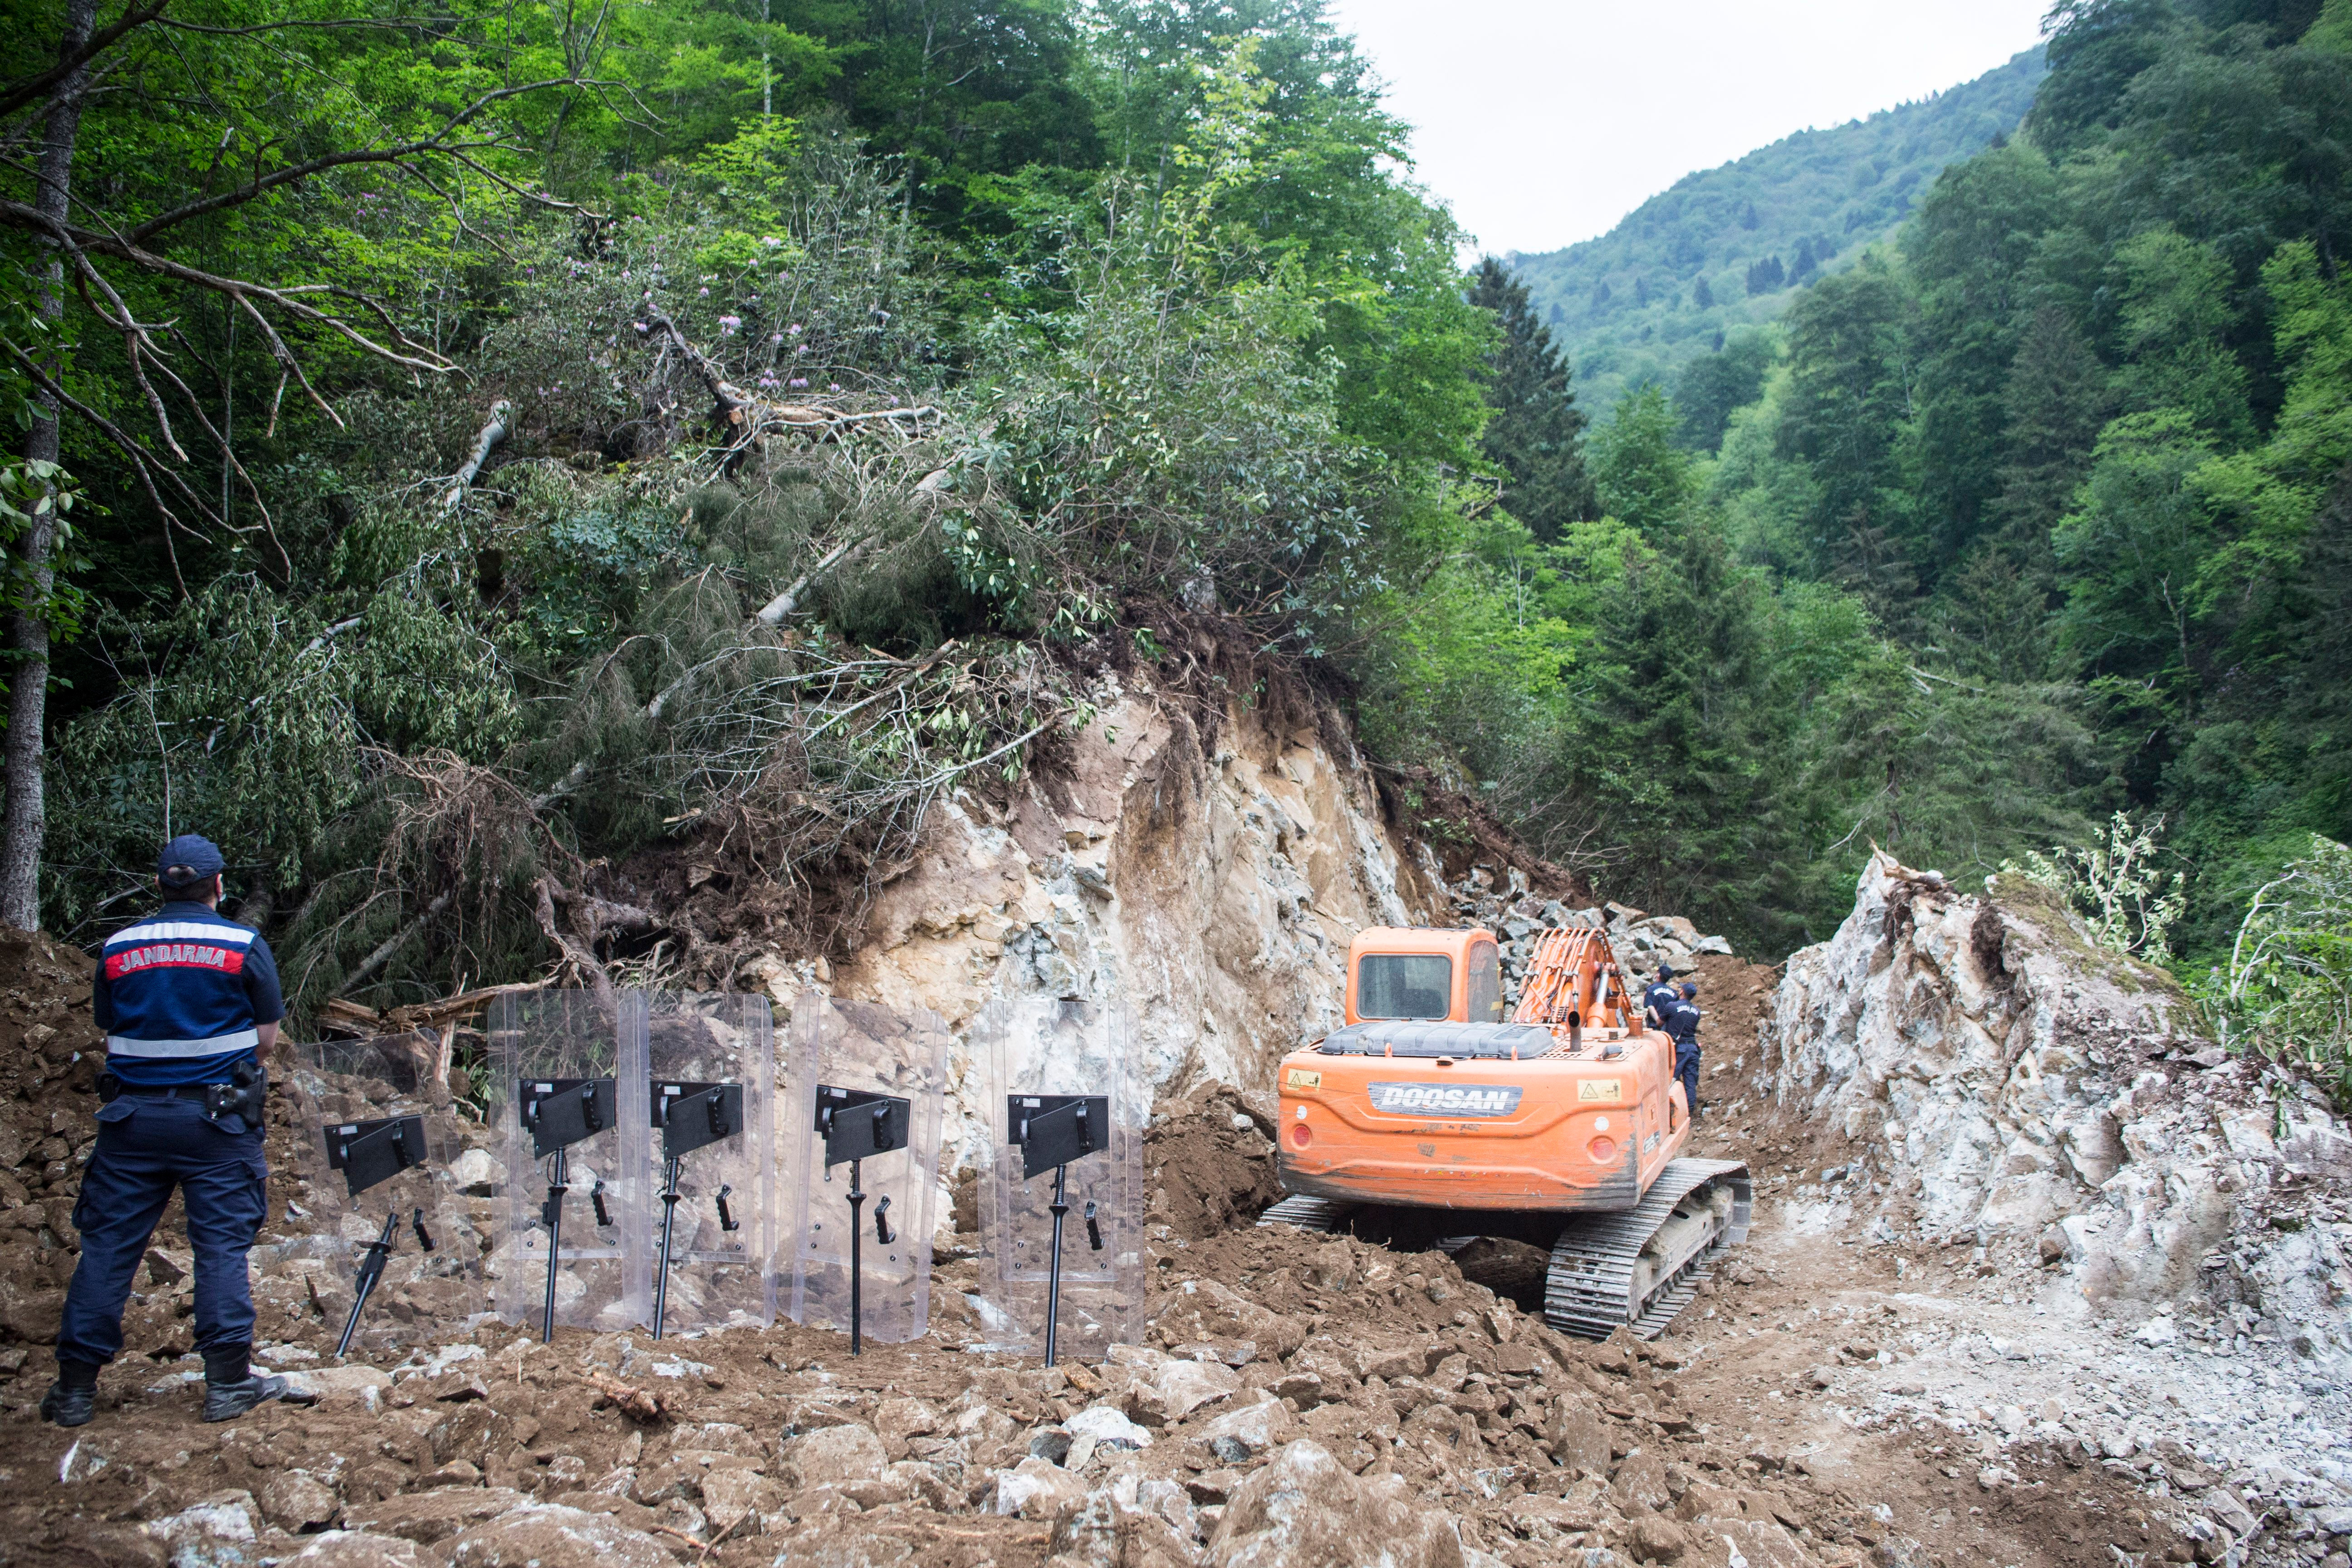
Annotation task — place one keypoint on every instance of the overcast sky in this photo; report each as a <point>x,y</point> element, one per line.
<point>1544,121</point>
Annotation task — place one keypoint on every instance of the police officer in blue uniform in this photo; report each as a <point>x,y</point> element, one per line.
<point>189,1000</point>
<point>1682,1018</point>
<point>1660,998</point>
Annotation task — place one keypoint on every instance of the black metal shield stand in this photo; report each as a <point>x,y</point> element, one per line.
<point>560,1112</point>
<point>368,1152</point>
<point>691,1116</point>
<point>854,1125</point>
<point>1054,1129</point>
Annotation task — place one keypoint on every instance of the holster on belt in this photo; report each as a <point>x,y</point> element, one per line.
<point>243,1095</point>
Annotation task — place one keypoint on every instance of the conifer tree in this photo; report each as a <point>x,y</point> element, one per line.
<point>1645,478</point>
<point>1537,435</point>
<point>2054,403</point>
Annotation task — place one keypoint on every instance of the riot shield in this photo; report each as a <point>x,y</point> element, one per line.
<point>381,1134</point>
<point>1064,1119</point>
<point>710,1159</point>
<point>864,1134</point>
<point>568,1099</point>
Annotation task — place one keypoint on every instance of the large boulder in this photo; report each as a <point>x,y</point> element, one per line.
<point>542,1535</point>
<point>427,1518</point>
<point>831,1456</point>
<point>1304,1510</point>
<point>1999,1076</point>
<point>357,1548</point>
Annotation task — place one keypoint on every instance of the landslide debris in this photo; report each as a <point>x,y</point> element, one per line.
<point>1298,1399</point>
<point>1988,1076</point>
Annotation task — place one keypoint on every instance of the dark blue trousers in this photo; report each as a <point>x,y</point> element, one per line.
<point>146,1148</point>
<point>1687,1069</point>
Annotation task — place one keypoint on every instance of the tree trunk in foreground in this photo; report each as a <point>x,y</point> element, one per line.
<point>21,819</point>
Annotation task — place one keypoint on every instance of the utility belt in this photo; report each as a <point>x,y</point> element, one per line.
<point>244,1095</point>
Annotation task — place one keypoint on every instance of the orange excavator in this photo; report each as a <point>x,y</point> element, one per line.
<point>1428,1120</point>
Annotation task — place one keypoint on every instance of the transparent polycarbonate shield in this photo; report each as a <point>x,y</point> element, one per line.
<point>1067,1056</point>
<point>712,1103</point>
<point>378,1116</point>
<point>875,1080</point>
<point>568,1097</point>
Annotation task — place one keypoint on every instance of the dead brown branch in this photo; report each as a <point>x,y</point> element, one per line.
<point>574,952</point>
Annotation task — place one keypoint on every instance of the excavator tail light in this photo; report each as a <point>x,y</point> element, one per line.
<point>1602,1150</point>
<point>1300,1135</point>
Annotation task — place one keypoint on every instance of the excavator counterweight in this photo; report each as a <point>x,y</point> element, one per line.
<point>1428,1120</point>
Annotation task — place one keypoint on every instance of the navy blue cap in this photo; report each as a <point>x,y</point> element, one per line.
<point>1665,971</point>
<point>188,860</point>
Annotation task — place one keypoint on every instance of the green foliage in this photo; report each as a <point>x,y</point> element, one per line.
<point>2286,990</point>
<point>1645,476</point>
<point>2049,503</point>
<point>1018,327</point>
<point>1714,386</point>
<point>2117,885</point>
<point>38,494</point>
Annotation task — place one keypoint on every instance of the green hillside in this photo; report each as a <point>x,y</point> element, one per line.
<point>1653,293</point>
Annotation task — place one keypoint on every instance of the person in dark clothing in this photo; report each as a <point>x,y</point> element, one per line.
<point>1660,997</point>
<point>1682,1027</point>
<point>189,1000</point>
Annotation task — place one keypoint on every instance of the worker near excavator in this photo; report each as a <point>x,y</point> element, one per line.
<point>1681,1024</point>
<point>190,1003</point>
<point>1660,998</point>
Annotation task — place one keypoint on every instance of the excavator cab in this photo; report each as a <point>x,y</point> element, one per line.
<point>1428,975</point>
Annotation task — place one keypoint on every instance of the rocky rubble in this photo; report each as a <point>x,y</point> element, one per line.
<point>50,1053</point>
<point>1303,1402</point>
<point>1518,915</point>
<point>2046,1227</point>
<point>2000,1080</point>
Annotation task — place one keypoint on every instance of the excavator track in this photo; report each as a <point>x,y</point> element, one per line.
<point>1308,1213</point>
<point>1639,1269</point>
<point>1635,1270</point>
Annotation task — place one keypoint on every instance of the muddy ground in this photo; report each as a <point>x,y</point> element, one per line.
<point>1298,1400</point>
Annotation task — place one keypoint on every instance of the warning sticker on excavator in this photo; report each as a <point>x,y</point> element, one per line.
<point>1301,1077</point>
<point>1446,1099</point>
<point>1600,1088</point>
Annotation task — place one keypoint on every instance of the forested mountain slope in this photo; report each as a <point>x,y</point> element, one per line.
<point>580,494</point>
<point>1726,247</point>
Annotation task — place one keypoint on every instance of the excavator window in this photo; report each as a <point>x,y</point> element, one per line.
<point>1485,983</point>
<point>1403,986</point>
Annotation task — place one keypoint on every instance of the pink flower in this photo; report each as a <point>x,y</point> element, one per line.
<point>798,381</point>
<point>704,292</point>
<point>728,325</point>
<point>795,329</point>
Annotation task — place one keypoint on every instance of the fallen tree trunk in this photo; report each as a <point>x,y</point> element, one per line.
<point>492,433</point>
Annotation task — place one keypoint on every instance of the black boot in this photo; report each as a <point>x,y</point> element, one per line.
<point>232,1387</point>
<point>72,1400</point>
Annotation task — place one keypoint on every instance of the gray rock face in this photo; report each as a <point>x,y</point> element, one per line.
<point>2016,1082</point>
